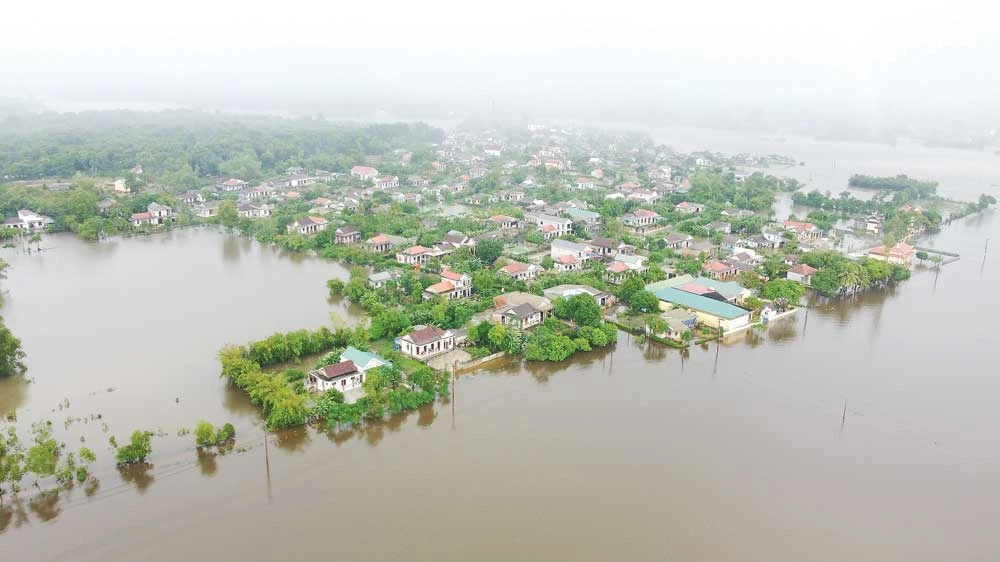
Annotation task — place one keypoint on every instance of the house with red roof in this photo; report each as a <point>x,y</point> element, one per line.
<point>308,225</point>
<point>453,285</point>
<point>716,269</point>
<point>688,207</point>
<point>414,255</point>
<point>364,172</point>
<point>503,222</point>
<point>803,230</point>
<point>900,254</point>
<point>520,271</point>
<point>425,342</point>
<point>232,184</point>
<point>565,263</point>
<point>801,273</point>
<point>342,376</point>
<point>641,221</point>
<point>379,243</point>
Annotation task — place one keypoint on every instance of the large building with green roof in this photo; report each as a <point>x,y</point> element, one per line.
<point>710,312</point>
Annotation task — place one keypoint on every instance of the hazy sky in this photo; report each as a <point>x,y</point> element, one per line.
<point>856,52</point>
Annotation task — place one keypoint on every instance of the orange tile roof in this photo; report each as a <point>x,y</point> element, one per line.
<point>439,288</point>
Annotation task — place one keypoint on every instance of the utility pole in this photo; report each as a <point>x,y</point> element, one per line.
<point>843,417</point>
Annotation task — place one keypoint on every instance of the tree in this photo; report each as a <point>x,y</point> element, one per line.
<point>782,288</point>
<point>489,250</point>
<point>644,301</point>
<point>581,309</point>
<point>11,354</point>
<point>204,434</point>
<point>228,213</point>
<point>690,266</point>
<point>139,448</point>
<point>923,256</point>
<point>389,324</point>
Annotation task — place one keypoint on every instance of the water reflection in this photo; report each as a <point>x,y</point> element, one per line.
<point>783,330</point>
<point>206,462</point>
<point>13,392</point>
<point>45,505</point>
<point>231,249</point>
<point>140,474</point>
<point>426,415</point>
<point>12,513</point>
<point>292,440</point>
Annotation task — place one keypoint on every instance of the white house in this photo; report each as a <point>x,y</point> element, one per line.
<point>364,172</point>
<point>453,285</point>
<point>801,273</point>
<point>386,182</point>
<point>550,226</point>
<point>28,220</point>
<point>521,271</point>
<point>254,211</point>
<point>640,221</point>
<point>425,342</point>
<point>308,225</point>
<point>232,184</point>
<point>342,376</point>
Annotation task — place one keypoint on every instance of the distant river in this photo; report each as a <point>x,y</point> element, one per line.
<point>732,451</point>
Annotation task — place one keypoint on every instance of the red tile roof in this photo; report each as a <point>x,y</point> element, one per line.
<point>453,275</point>
<point>439,288</point>
<point>414,250</point>
<point>802,269</point>
<point>644,213</point>
<point>717,266</point>
<point>514,267</point>
<point>567,260</point>
<point>379,239</point>
<point>339,369</point>
<point>426,334</point>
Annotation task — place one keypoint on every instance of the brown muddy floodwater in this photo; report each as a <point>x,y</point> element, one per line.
<point>735,451</point>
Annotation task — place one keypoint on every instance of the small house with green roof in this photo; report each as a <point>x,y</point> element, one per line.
<point>365,360</point>
<point>710,312</point>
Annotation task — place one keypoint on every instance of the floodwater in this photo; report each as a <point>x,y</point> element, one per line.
<point>736,451</point>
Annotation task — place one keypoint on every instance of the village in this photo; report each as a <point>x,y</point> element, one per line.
<point>537,243</point>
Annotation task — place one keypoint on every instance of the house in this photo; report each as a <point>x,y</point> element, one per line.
<point>503,222</point>
<point>346,235</point>
<point>493,150</point>
<point>563,264</point>
<point>872,224</point>
<point>342,376</point>
<point>155,215</point>
<point>520,271</point>
<point>725,291</point>
<point>517,298</point>
<point>254,210</point>
<point>900,254</point>
<point>710,312</point>
<point>803,230</point>
<point>644,196</point>
<point>453,285</point>
<point>386,182</point>
<point>232,185</point>
<point>608,248</point>
<point>379,243</point>
<point>522,316</point>
<point>604,299</point>
<point>737,213</point>
<point>690,208</point>
<point>260,192</point>
<point>623,266</point>
<point>364,361</point>
<point>28,220</point>
<point>584,183</point>
<point>590,220</point>
<point>417,181</point>
<point>207,209</point>
<point>364,172</point>
<point>641,221</point>
<point>122,187</point>
<point>629,186</point>
<point>425,342</point>
<point>560,248</point>
<point>191,197</point>
<point>550,226</point>
<point>678,240</point>
<point>477,172</point>
<point>380,279</point>
<point>801,273</point>
<point>105,205</point>
<point>414,255</point>
<point>720,226</point>
<point>718,269</point>
<point>308,225</point>
<point>455,240</point>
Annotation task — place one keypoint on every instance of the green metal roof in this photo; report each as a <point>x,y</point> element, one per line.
<point>582,214</point>
<point>700,303</point>
<point>360,358</point>
<point>672,282</point>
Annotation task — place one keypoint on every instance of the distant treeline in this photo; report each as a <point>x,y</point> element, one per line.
<point>898,183</point>
<point>109,143</point>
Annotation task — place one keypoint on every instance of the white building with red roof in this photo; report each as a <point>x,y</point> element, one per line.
<point>232,184</point>
<point>308,225</point>
<point>364,172</point>
<point>503,222</point>
<point>900,254</point>
<point>425,342</point>
<point>521,271</point>
<point>641,221</point>
<point>803,230</point>
<point>453,285</point>
<point>801,273</point>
